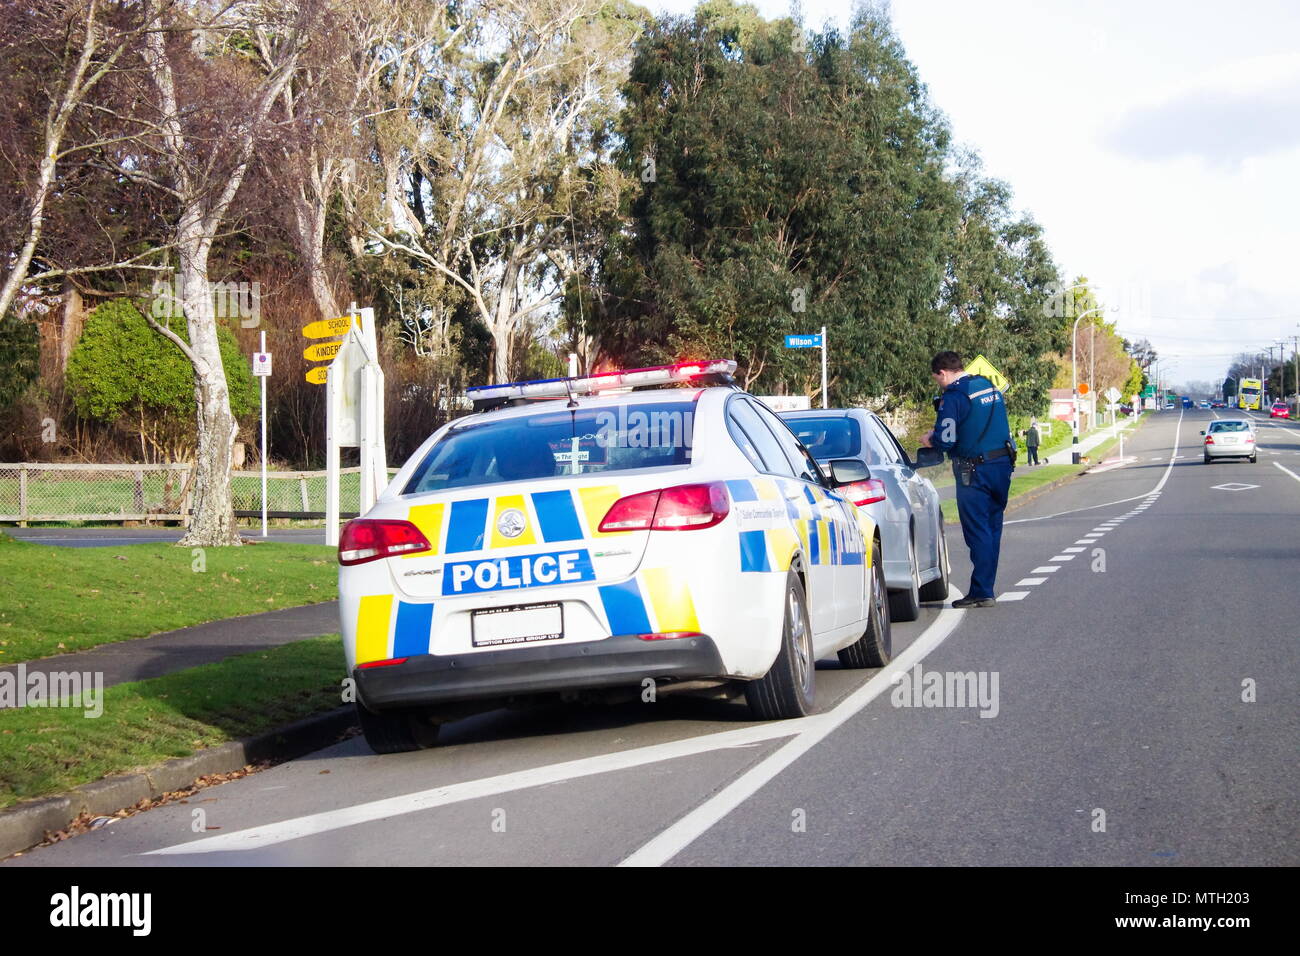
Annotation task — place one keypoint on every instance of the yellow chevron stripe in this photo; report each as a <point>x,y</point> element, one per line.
<point>374,615</point>
<point>527,536</point>
<point>428,518</point>
<point>596,502</point>
<point>670,596</point>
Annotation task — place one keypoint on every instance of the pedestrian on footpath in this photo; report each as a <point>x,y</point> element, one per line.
<point>972,427</point>
<point>1031,441</point>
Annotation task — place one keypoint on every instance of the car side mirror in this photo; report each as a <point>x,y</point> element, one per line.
<point>928,457</point>
<point>845,471</point>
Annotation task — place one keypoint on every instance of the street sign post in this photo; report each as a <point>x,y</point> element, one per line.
<point>262,369</point>
<point>322,351</point>
<point>328,328</point>
<point>812,341</point>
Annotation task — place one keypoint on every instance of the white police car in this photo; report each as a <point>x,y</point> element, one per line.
<point>602,538</point>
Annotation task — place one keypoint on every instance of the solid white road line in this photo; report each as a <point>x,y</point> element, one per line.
<point>1149,495</point>
<point>685,831</point>
<point>1287,470</point>
<point>1029,582</point>
<point>1046,569</point>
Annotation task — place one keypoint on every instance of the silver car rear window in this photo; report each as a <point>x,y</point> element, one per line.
<point>1229,426</point>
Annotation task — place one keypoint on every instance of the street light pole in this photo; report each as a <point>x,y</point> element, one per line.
<point>1074,373</point>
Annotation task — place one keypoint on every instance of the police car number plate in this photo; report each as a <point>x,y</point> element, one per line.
<point>518,624</point>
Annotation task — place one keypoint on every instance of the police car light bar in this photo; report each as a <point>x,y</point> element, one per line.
<point>493,396</point>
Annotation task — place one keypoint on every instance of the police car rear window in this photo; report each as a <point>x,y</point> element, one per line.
<point>828,437</point>
<point>558,443</point>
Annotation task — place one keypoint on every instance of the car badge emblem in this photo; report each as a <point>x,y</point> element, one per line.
<point>512,522</point>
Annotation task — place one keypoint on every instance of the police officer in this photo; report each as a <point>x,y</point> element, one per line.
<point>972,427</point>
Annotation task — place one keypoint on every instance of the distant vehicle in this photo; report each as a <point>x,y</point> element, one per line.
<point>1279,410</point>
<point>1230,438</point>
<point>904,505</point>
<point>1204,403</point>
<point>1168,405</point>
<point>1187,402</point>
<point>1218,404</point>
<point>1126,409</point>
<point>1248,395</point>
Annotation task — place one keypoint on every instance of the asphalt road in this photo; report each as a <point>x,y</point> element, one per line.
<point>1144,713</point>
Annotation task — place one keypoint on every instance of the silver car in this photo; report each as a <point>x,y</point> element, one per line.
<point>1230,438</point>
<point>904,505</point>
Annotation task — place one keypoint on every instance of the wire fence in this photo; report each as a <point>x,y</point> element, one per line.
<point>44,492</point>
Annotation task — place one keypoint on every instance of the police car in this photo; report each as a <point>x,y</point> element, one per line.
<point>591,533</point>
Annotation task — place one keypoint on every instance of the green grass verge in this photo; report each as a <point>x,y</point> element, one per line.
<point>59,600</point>
<point>1022,482</point>
<point>48,750</point>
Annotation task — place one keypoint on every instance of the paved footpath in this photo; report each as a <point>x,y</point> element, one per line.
<point>177,650</point>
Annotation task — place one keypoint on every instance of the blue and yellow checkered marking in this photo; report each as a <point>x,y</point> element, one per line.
<point>625,608</point>
<point>557,515</point>
<point>414,629</point>
<point>753,551</point>
<point>466,525</point>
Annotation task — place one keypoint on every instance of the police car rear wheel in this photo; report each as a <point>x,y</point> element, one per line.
<point>905,605</point>
<point>787,689</point>
<point>396,731</point>
<point>874,647</point>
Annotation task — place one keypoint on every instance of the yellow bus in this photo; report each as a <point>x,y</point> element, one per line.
<point>1248,394</point>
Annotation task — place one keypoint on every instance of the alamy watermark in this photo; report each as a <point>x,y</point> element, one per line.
<point>230,300</point>
<point>919,688</point>
<point>19,688</point>
<point>634,428</point>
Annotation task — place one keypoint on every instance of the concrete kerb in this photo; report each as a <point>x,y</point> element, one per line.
<point>24,825</point>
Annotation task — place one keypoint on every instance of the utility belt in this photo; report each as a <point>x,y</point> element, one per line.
<point>965,467</point>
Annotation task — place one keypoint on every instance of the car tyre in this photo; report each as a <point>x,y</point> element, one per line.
<point>874,647</point>
<point>396,731</point>
<point>1254,458</point>
<point>937,590</point>
<point>788,688</point>
<point>905,604</point>
<point>1208,460</point>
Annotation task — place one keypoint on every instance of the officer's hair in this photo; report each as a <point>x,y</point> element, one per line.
<point>947,362</point>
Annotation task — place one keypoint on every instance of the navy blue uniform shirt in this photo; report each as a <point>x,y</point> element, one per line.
<point>972,418</point>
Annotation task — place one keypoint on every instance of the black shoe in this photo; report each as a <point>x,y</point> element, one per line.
<point>974,602</point>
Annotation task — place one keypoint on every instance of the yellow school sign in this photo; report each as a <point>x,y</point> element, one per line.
<point>322,351</point>
<point>328,328</point>
<point>982,366</point>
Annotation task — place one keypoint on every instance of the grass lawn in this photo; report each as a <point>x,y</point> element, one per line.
<point>58,600</point>
<point>48,750</point>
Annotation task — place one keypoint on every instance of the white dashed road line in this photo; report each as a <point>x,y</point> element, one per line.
<point>1013,596</point>
<point>1046,569</point>
<point>1029,582</point>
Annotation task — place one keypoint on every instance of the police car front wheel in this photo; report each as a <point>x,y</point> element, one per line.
<point>787,689</point>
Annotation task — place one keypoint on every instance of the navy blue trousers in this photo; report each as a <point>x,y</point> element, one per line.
<point>980,505</point>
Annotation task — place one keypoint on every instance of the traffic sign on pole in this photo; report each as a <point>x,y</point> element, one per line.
<point>322,351</point>
<point>328,328</point>
<point>317,375</point>
<point>813,341</point>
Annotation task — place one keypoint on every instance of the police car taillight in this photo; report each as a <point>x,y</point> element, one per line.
<point>369,539</point>
<point>864,492</point>
<point>681,508</point>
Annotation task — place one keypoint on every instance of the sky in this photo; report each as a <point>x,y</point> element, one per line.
<point>1157,143</point>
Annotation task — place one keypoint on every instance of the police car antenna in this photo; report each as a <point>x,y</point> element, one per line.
<point>568,387</point>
